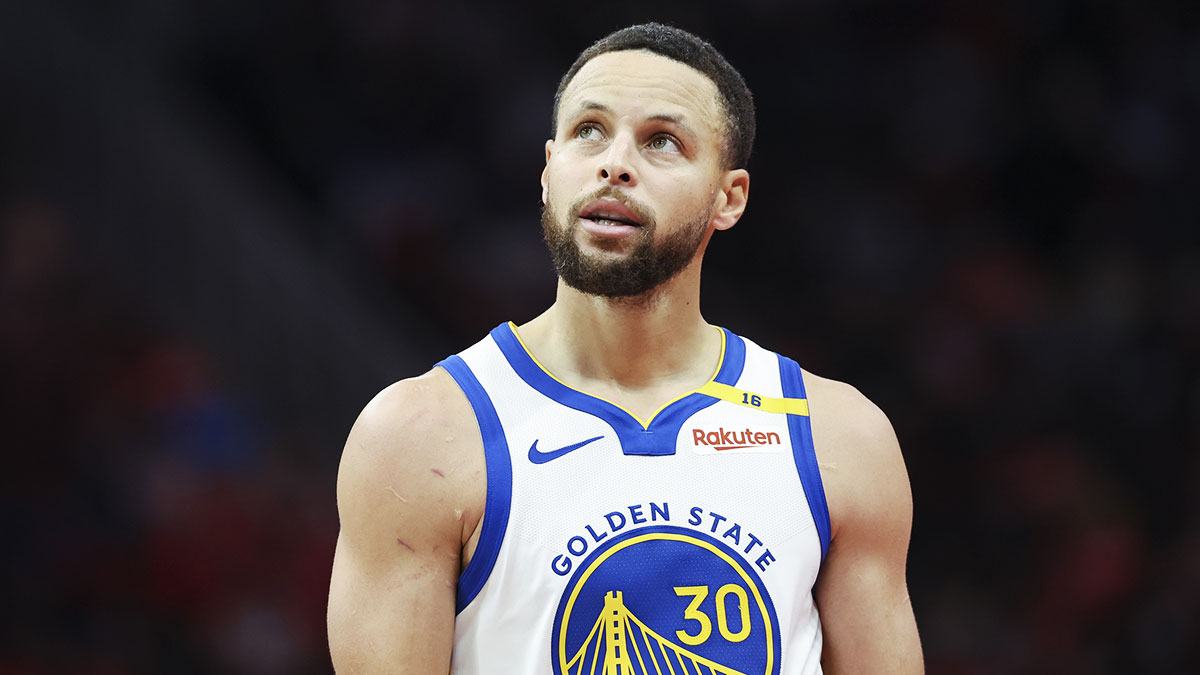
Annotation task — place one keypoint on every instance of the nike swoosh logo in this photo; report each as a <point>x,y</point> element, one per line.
<point>543,457</point>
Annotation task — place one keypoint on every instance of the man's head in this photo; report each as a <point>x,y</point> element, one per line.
<point>737,104</point>
<point>646,160</point>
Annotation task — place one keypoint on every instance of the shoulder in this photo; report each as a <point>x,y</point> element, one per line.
<point>862,596</point>
<point>861,592</point>
<point>847,417</point>
<point>416,418</point>
<point>414,449</point>
<point>410,493</point>
<point>414,406</point>
<point>862,468</point>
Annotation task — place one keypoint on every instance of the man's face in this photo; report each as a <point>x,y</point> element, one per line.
<point>633,174</point>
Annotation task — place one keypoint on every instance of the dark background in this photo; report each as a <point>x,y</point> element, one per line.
<point>225,225</point>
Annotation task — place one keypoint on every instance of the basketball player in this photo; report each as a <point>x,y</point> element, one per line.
<point>617,486</point>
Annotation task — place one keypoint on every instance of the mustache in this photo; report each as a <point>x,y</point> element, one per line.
<point>644,216</point>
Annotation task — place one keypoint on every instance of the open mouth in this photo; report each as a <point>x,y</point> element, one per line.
<point>610,212</point>
<point>604,219</point>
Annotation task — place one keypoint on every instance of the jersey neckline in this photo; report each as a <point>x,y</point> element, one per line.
<point>656,437</point>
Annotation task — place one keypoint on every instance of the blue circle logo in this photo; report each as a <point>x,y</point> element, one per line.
<point>664,599</point>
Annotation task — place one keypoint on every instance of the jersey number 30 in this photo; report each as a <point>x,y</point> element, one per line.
<point>693,613</point>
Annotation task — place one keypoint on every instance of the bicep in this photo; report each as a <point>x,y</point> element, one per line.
<point>390,616</point>
<point>867,619</point>
<point>395,569</point>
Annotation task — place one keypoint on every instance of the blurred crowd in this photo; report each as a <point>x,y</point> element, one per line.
<point>982,216</point>
<point>153,524</point>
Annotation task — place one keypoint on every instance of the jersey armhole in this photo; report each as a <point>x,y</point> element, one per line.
<point>499,483</point>
<point>803,451</point>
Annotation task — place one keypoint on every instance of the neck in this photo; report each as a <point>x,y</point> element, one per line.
<point>657,340</point>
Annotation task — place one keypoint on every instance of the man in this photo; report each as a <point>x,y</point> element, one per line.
<point>617,486</point>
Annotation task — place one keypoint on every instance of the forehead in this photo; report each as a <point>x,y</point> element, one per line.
<point>644,84</point>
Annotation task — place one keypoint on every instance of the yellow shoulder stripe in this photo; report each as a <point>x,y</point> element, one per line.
<point>791,406</point>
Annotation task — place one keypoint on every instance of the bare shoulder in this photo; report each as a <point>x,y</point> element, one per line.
<point>410,495</point>
<point>866,615</point>
<point>861,464</point>
<point>846,415</point>
<point>410,413</point>
<point>415,450</point>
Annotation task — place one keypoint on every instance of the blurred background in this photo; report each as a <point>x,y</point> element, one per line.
<point>225,224</point>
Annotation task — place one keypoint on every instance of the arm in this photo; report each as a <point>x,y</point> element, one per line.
<point>409,497</point>
<point>862,595</point>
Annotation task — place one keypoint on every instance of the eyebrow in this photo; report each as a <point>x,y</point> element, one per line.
<point>677,120</point>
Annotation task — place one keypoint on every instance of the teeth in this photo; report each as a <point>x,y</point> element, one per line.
<point>604,217</point>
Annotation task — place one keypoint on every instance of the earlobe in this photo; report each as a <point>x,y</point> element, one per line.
<point>735,189</point>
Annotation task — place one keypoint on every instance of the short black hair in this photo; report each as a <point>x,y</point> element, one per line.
<point>737,103</point>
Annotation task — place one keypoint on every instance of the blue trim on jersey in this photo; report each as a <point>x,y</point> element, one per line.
<point>805,454</point>
<point>656,439</point>
<point>499,483</point>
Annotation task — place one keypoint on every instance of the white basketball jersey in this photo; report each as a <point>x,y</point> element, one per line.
<point>686,544</point>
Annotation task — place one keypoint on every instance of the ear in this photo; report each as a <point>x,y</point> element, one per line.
<point>546,169</point>
<point>731,202</point>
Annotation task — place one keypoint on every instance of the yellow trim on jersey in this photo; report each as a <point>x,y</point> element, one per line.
<point>791,406</point>
<point>645,425</point>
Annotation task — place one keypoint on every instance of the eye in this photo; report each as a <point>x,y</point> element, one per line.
<point>589,132</point>
<point>664,143</point>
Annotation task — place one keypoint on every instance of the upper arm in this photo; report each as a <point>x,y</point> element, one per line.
<point>408,492</point>
<point>862,595</point>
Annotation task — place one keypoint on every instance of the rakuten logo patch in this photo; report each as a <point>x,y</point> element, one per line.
<point>725,439</point>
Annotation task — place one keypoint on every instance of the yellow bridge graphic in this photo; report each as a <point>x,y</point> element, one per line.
<point>614,647</point>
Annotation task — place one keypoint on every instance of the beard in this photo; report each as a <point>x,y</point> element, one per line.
<point>645,268</point>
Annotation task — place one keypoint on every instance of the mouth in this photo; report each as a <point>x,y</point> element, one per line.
<point>610,213</point>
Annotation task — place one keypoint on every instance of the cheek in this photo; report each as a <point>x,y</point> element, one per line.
<point>560,175</point>
<point>686,198</point>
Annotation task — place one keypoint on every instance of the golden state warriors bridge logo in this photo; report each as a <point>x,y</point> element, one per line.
<point>665,600</point>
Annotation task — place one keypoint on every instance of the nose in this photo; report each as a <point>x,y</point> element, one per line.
<point>617,169</point>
